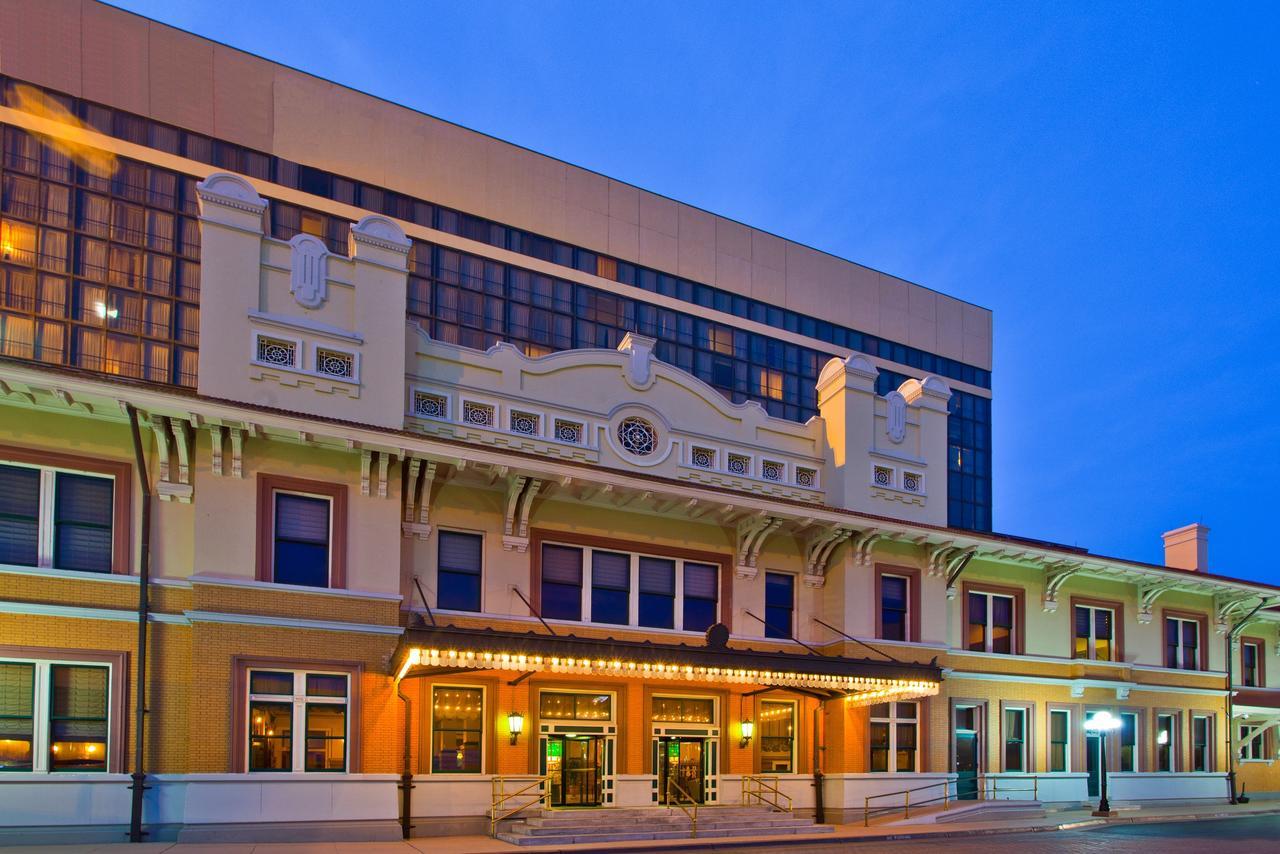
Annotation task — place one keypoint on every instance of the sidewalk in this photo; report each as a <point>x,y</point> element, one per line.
<point>845,834</point>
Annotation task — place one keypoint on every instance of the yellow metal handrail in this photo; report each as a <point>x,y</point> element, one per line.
<point>984,779</point>
<point>754,786</point>
<point>692,815</point>
<point>906,800</point>
<point>501,797</point>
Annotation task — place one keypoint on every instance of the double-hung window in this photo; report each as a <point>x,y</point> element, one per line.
<point>297,721</point>
<point>1181,643</point>
<point>895,737</point>
<point>457,729</point>
<point>1252,741</point>
<point>1015,740</point>
<point>1166,738</point>
<point>991,618</point>
<point>893,607</point>
<point>561,582</point>
<point>1095,633</point>
<point>54,716</point>
<point>1128,741</point>
<point>56,518</point>
<point>1201,743</point>
<point>610,587</point>
<point>779,605</point>
<point>1059,740</point>
<point>458,571</point>
<point>701,595</point>
<point>657,593</point>
<point>302,528</point>
<point>1250,659</point>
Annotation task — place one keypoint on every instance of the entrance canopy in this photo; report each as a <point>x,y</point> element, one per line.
<point>862,681</point>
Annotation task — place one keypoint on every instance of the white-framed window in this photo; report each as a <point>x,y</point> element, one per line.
<point>1017,739</point>
<point>298,721</point>
<point>1166,742</point>
<point>991,622</point>
<point>895,737</point>
<point>1181,643</point>
<point>1095,633</point>
<point>1059,740</point>
<point>1128,759</point>
<point>1252,741</point>
<point>777,733</point>
<point>613,587</point>
<point>1201,743</point>
<point>1251,653</point>
<point>563,705</point>
<point>457,729</point>
<point>301,538</point>
<point>55,716</point>
<point>54,517</point>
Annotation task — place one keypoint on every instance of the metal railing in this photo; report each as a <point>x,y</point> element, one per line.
<point>991,793</point>
<point>765,792</point>
<point>905,806</point>
<point>500,808</point>
<point>684,804</point>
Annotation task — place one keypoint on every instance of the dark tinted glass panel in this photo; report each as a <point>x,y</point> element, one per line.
<point>657,593</point>
<point>701,590</point>
<point>326,685</point>
<point>893,607</point>
<point>561,582</point>
<point>610,587</point>
<point>779,599</point>
<point>270,682</point>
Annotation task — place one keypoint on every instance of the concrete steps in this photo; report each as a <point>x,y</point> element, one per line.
<point>569,827</point>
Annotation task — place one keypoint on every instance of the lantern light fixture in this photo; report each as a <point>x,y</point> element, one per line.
<point>515,723</point>
<point>748,727</point>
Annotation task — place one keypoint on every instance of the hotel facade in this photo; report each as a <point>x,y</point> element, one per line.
<point>434,470</point>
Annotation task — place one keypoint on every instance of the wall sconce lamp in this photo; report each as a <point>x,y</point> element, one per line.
<point>748,729</point>
<point>515,723</point>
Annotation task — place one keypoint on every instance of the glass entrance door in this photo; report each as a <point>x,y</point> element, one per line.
<point>574,766</point>
<point>680,762</point>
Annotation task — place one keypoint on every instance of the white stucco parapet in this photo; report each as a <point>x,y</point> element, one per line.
<point>619,408</point>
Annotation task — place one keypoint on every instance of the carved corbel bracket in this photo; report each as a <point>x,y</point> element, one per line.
<point>521,490</point>
<point>172,438</point>
<point>417,520</point>
<point>863,542</point>
<point>1055,577</point>
<point>1147,596</point>
<point>820,546</point>
<point>752,533</point>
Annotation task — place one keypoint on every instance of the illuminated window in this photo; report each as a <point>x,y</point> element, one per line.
<point>687,710</point>
<point>457,730</point>
<point>564,706</point>
<point>297,721</point>
<point>990,623</point>
<point>895,734</point>
<point>65,706</point>
<point>1095,633</point>
<point>770,384</point>
<point>720,340</point>
<point>777,733</point>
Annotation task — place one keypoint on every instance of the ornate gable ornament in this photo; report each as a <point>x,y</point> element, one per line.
<point>896,418</point>
<point>309,270</point>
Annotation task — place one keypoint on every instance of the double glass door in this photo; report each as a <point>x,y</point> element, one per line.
<point>681,774</point>
<point>574,764</point>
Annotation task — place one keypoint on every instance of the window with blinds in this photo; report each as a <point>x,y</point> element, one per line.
<point>779,604</point>
<point>561,582</point>
<point>458,571</point>
<point>628,589</point>
<point>610,588</point>
<point>54,716</point>
<point>301,548</point>
<point>56,518</point>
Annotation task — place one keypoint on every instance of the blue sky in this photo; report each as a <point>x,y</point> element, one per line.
<point>1103,177</point>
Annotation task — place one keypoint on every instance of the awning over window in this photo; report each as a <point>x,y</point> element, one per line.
<point>861,680</point>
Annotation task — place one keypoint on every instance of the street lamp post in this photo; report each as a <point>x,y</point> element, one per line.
<point>1102,723</point>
